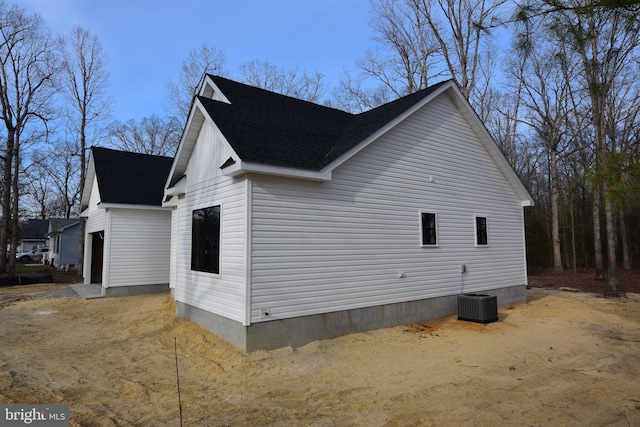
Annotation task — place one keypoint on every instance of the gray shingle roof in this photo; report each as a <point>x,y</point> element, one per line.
<point>266,127</point>
<point>130,178</point>
<point>34,229</point>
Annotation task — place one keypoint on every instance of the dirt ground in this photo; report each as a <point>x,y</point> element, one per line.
<point>564,358</point>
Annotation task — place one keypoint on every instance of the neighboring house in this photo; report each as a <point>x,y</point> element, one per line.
<point>127,233</point>
<point>33,234</point>
<point>63,243</point>
<point>294,222</point>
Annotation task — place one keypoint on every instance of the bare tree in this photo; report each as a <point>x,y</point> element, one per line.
<point>460,27</point>
<point>606,41</point>
<point>85,80</point>
<point>206,59</point>
<point>545,95</point>
<point>152,135</point>
<point>622,119</point>
<point>57,171</point>
<point>352,95</point>
<point>301,85</point>
<point>404,61</point>
<point>423,40</point>
<point>28,66</point>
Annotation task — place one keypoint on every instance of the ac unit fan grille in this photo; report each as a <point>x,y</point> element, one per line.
<point>478,308</point>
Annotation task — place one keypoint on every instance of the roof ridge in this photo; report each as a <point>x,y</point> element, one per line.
<point>216,78</point>
<point>113,150</point>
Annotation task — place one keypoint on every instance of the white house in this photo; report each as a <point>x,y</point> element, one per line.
<point>127,232</point>
<point>293,222</point>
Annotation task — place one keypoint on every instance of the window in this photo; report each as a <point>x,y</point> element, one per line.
<point>482,237</point>
<point>205,240</point>
<point>428,223</point>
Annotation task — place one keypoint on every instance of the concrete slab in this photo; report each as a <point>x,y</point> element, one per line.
<point>88,291</point>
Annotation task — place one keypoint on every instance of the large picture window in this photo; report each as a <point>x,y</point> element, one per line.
<point>205,240</point>
<point>482,235</point>
<point>429,229</point>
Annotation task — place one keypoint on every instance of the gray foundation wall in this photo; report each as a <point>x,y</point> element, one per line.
<point>127,291</point>
<point>298,331</point>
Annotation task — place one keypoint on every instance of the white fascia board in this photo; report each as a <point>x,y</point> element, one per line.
<point>384,129</point>
<point>197,117</point>
<point>131,206</point>
<point>171,203</point>
<point>187,142</point>
<point>210,90</point>
<point>178,188</point>
<point>88,182</point>
<point>249,167</point>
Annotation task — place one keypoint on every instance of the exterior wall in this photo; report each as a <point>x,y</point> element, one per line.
<point>97,220</point>
<point>223,294</point>
<point>299,331</point>
<point>173,256</point>
<point>137,252</point>
<point>136,246</point>
<point>342,244</point>
<point>66,244</point>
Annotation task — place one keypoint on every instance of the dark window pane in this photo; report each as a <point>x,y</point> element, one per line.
<point>428,229</point>
<point>205,240</point>
<point>481,230</point>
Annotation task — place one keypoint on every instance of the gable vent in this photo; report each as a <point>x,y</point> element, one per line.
<point>228,163</point>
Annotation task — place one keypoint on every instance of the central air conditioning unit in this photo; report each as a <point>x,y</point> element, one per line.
<point>478,308</point>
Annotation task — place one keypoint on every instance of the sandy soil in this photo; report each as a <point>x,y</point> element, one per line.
<point>564,358</point>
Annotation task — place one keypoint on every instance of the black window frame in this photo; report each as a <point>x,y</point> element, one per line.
<point>428,229</point>
<point>205,239</point>
<point>482,230</point>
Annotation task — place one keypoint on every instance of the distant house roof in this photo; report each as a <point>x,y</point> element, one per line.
<point>34,229</point>
<point>269,128</point>
<point>129,178</point>
<point>58,225</point>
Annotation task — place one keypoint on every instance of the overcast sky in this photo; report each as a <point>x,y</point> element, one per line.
<point>146,41</point>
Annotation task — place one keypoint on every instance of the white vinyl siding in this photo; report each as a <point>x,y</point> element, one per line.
<point>138,247</point>
<point>207,157</point>
<point>225,293</point>
<point>342,244</point>
<point>173,257</point>
<point>97,219</point>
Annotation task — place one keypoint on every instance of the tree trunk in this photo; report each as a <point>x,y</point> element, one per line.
<point>573,238</point>
<point>624,237</point>
<point>611,243</point>
<point>14,208</point>
<point>597,238</point>
<point>555,225</point>
<point>6,204</point>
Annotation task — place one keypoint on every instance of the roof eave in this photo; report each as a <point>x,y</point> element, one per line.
<point>107,206</point>
<point>243,167</point>
<point>197,117</point>
<point>88,183</point>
